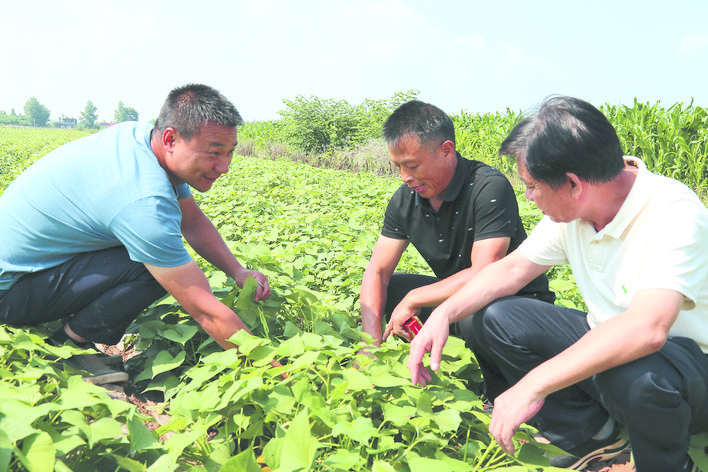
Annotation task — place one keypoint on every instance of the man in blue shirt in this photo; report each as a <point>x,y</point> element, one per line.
<point>92,232</point>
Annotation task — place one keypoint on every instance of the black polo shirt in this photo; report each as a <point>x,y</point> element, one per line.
<point>479,204</point>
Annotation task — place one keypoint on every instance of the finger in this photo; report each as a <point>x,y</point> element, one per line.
<point>436,355</point>
<point>387,331</point>
<point>508,442</point>
<point>263,290</point>
<point>419,374</point>
<point>502,435</point>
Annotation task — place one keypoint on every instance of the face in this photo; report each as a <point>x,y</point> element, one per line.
<point>556,204</point>
<point>202,159</point>
<point>426,168</point>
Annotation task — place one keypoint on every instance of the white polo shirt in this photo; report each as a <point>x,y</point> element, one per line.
<point>659,239</point>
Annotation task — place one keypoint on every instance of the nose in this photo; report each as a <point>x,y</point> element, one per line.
<point>405,176</point>
<point>222,164</point>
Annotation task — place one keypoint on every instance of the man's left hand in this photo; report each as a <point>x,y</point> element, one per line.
<point>511,409</point>
<point>263,290</point>
<point>432,337</point>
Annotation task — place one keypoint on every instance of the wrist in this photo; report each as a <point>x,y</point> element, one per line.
<point>411,301</point>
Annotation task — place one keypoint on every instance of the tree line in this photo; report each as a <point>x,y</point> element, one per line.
<point>37,115</point>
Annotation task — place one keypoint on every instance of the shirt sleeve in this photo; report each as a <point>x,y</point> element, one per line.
<point>495,208</point>
<point>149,228</point>
<point>676,256</point>
<point>395,224</point>
<point>183,191</point>
<point>546,245</point>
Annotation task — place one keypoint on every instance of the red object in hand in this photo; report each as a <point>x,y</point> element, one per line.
<point>412,325</point>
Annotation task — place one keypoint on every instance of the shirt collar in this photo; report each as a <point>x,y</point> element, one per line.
<point>632,204</point>
<point>455,186</point>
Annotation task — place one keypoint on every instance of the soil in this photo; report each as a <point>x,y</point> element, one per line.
<point>622,463</point>
<point>149,405</point>
<point>153,407</point>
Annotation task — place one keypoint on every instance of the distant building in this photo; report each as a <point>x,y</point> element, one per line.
<point>66,123</point>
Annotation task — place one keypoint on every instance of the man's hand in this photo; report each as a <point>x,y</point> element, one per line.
<point>432,337</point>
<point>400,315</point>
<point>511,409</point>
<point>263,290</point>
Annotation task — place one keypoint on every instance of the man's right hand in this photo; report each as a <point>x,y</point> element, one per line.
<point>190,287</point>
<point>400,315</point>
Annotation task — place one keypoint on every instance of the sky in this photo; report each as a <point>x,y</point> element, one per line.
<point>476,56</point>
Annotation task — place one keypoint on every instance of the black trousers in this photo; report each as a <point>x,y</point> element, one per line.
<point>99,292</point>
<point>661,398</point>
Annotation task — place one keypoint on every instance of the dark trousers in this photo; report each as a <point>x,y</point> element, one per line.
<point>99,292</point>
<point>661,398</point>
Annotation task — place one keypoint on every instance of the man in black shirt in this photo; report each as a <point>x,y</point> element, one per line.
<point>461,215</point>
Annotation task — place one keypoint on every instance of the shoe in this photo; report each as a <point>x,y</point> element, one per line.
<point>99,369</point>
<point>690,466</point>
<point>114,360</point>
<point>590,451</point>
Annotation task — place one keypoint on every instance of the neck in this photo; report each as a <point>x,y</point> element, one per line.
<point>609,197</point>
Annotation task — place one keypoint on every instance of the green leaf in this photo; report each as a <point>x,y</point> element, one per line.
<point>447,420</point>
<point>164,362</point>
<point>343,459</point>
<point>247,294</point>
<point>243,462</point>
<point>399,416</point>
<point>357,380</point>
<point>382,377</point>
<point>103,428</point>
<point>273,451</point>
<point>697,450</point>
<point>382,466</point>
<point>38,452</point>
<point>128,464</point>
<point>361,430</point>
<point>299,445</point>
<point>140,437</point>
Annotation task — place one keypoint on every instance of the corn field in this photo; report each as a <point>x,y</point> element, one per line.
<point>672,141</point>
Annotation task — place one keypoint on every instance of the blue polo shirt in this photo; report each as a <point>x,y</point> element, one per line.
<point>101,191</point>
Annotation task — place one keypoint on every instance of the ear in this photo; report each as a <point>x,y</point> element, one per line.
<point>448,147</point>
<point>169,138</point>
<point>576,185</point>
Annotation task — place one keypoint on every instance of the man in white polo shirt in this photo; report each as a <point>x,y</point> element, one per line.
<point>638,246</point>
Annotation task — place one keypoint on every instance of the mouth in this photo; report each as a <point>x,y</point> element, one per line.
<point>418,189</point>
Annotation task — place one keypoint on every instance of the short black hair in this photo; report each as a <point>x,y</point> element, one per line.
<point>566,135</point>
<point>420,119</point>
<point>191,106</point>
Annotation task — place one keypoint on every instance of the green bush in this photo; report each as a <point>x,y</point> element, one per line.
<point>316,125</point>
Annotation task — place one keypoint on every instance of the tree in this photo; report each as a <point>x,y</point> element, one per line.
<point>88,117</point>
<point>124,113</point>
<point>37,113</point>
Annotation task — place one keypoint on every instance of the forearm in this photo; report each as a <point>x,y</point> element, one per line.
<point>373,302</point>
<point>502,278</point>
<point>208,243</point>
<point>615,342</point>
<point>219,322</point>
<point>188,285</point>
<point>435,294</point>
